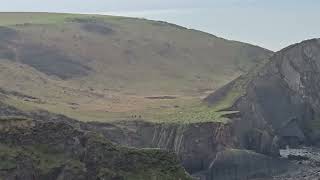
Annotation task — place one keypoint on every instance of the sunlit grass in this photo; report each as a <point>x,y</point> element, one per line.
<point>160,111</point>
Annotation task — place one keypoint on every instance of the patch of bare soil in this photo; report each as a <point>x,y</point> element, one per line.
<point>161,97</point>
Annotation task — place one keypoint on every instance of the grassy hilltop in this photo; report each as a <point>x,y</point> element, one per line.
<point>93,67</point>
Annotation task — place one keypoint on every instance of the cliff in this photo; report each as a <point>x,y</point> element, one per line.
<point>281,98</point>
<point>197,145</point>
<point>57,150</point>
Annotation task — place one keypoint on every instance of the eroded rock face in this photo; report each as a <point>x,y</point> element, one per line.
<point>196,144</point>
<point>282,98</point>
<point>57,150</point>
<point>208,151</point>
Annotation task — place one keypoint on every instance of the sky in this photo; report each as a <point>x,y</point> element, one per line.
<point>272,24</point>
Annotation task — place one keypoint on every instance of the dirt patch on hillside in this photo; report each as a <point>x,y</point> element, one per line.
<point>161,97</point>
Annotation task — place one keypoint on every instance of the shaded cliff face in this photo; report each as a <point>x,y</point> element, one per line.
<point>281,98</point>
<point>56,150</point>
<point>195,144</point>
<point>207,150</point>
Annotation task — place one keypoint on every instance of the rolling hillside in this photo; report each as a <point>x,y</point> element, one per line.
<point>102,67</point>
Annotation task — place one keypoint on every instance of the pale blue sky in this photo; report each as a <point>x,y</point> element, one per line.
<point>272,24</point>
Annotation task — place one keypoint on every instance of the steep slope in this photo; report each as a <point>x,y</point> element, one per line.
<point>210,151</point>
<point>107,65</point>
<point>281,98</point>
<point>206,150</point>
<point>57,150</point>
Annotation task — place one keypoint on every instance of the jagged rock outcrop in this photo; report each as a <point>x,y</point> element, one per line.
<point>196,144</point>
<point>206,150</point>
<point>56,150</point>
<point>280,99</point>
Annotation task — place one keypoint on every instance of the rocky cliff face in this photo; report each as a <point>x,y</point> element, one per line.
<point>195,144</point>
<point>57,150</point>
<point>281,99</point>
<point>200,146</point>
<point>207,150</point>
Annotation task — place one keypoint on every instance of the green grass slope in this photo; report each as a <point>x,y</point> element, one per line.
<point>106,66</point>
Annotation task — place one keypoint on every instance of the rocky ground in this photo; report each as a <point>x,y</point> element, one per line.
<point>307,161</point>
<point>304,172</point>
